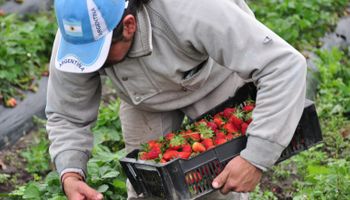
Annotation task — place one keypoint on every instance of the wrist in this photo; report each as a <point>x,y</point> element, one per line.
<point>70,175</point>
<point>261,153</point>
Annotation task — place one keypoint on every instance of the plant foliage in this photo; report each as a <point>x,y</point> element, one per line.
<point>24,51</point>
<point>301,23</point>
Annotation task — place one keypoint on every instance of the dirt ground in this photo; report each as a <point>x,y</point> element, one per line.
<point>12,164</point>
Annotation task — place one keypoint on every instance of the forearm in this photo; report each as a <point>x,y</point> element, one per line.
<point>280,103</point>
<point>70,145</point>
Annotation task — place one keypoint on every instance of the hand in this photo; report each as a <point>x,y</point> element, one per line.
<point>76,189</point>
<point>239,175</point>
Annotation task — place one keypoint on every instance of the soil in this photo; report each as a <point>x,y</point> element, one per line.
<point>12,164</point>
<point>282,189</point>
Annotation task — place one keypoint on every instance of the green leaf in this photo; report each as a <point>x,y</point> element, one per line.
<point>58,198</point>
<point>32,191</point>
<point>111,174</point>
<point>316,170</point>
<point>102,188</point>
<point>119,184</point>
<point>204,130</point>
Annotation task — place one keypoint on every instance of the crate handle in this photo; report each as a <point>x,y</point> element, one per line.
<point>131,169</point>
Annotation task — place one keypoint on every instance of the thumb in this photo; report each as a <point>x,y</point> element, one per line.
<point>220,180</point>
<point>90,193</point>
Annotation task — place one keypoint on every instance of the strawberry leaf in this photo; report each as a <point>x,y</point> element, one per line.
<point>177,141</point>
<point>205,131</point>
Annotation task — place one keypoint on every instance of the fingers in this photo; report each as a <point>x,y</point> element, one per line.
<point>228,187</point>
<point>239,176</point>
<point>88,192</point>
<point>76,196</point>
<point>220,180</point>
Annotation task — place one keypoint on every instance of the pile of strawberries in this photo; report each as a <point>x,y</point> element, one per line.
<point>200,136</point>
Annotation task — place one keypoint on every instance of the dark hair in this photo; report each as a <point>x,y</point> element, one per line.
<point>133,7</point>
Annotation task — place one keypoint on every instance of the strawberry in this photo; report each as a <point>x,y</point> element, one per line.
<point>188,179</point>
<point>11,102</point>
<point>154,144</point>
<point>187,148</point>
<point>162,160</point>
<point>228,112</point>
<point>197,177</point>
<point>206,171</point>
<point>220,135</point>
<point>184,133</point>
<point>218,120</point>
<point>151,150</point>
<point>193,177</point>
<point>169,136</point>
<point>237,119</point>
<point>198,147</point>
<point>229,136</point>
<point>230,128</point>
<point>244,128</point>
<point>249,106</point>
<point>195,136</point>
<point>143,155</point>
<point>219,141</point>
<point>154,153</point>
<point>189,134</point>
<point>184,155</point>
<point>208,143</point>
<point>212,125</point>
<point>170,154</point>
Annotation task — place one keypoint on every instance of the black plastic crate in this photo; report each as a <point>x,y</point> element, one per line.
<point>192,178</point>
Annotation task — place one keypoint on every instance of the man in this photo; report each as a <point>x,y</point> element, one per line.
<point>168,59</point>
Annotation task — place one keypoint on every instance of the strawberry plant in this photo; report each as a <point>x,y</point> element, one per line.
<point>24,52</point>
<point>301,23</point>
<point>335,81</point>
<point>105,173</point>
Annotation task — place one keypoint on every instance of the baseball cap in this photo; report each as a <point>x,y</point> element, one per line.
<point>86,28</point>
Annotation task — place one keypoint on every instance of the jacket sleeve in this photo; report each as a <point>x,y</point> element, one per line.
<point>239,42</point>
<point>72,107</point>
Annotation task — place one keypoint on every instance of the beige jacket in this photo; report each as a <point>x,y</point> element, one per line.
<point>183,51</point>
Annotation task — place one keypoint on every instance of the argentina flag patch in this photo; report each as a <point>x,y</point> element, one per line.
<point>73,28</point>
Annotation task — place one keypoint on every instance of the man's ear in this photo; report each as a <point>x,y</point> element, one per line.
<point>129,24</point>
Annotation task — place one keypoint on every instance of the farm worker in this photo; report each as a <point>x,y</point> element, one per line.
<point>168,59</point>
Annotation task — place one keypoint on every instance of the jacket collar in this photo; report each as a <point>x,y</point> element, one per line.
<point>142,44</point>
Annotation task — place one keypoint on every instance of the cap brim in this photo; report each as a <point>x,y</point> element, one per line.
<point>82,58</point>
